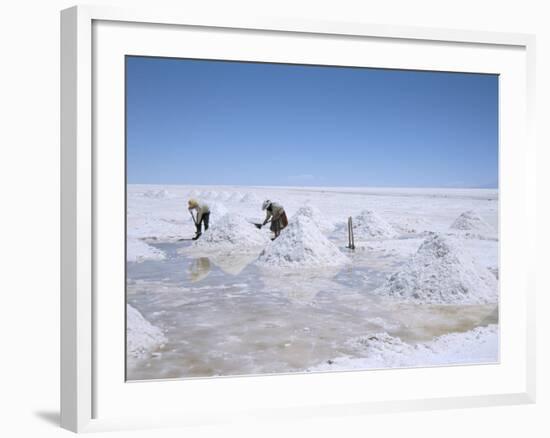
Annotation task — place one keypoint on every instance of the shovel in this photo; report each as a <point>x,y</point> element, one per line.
<point>259,226</point>
<point>183,239</point>
<point>198,234</point>
<point>193,216</point>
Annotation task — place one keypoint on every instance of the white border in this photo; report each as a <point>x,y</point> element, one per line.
<point>77,274</point>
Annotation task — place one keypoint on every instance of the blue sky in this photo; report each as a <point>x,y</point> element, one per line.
<point>236,123</point>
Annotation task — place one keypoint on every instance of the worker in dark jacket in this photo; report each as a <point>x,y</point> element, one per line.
<point>276,213</point>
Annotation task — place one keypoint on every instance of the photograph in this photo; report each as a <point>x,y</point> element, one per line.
<point>298,218</point>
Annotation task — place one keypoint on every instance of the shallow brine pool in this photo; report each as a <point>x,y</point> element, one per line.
<point>225,316</point>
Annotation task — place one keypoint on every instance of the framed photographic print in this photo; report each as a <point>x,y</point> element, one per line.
<point>252,209</point>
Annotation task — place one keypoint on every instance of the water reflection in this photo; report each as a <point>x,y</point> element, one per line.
<point>300,287</point>
<point>251,320</point>
<point>199,269</point>
<point>233,264</point>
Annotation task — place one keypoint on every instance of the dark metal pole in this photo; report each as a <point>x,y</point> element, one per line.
<point>352,236</point>
<point>351,240</point>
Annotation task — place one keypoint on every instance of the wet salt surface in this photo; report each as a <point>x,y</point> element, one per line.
<point>258,322</point>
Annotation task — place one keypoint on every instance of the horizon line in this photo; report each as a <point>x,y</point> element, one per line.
<point>481,187</point>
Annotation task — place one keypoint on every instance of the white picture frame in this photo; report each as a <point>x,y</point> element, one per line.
<point>85,374</point>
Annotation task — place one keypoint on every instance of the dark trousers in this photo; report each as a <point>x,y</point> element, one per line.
<point>205,219</point>
<point>279,223</point>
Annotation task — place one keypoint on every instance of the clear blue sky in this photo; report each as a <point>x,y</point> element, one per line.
<point>235,123</point>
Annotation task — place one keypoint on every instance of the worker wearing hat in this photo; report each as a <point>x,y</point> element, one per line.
<point>203,215</point>
<point>276,213</point>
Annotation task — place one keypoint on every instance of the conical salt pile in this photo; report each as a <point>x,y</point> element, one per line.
<point>251,198</point>
<point>316,216</point>
<point>156,194</point>
<point>217,211</point>
<point>369,225</point>
<point>471,221</point>
<point>141,336</point>
<point>235,197</point>
<point>301,245</point>
<point>442,272</point>
<point>233,232</point>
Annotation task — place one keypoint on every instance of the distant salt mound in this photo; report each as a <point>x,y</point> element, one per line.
<point>231,232</point>
<point>235,197</point>
<point>316,216</point>
<point>222,196</point>
<point>369,225</point>
<point>194,193</point>
<point>209,194</point>
<point>251,198</point>
<point>410,225</point>
<point>141,336</point>
<point>156,194</point>
<point>470,221</point>
<point>301,245</point>
<point>442,272</point>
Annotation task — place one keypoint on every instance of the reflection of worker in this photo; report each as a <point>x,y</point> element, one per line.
<point>277,214</point>
<point>198,269</point>
<point>203,215</point>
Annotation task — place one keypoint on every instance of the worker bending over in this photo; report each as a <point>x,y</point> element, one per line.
<point>203,215</point>
<point>276,213</point>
